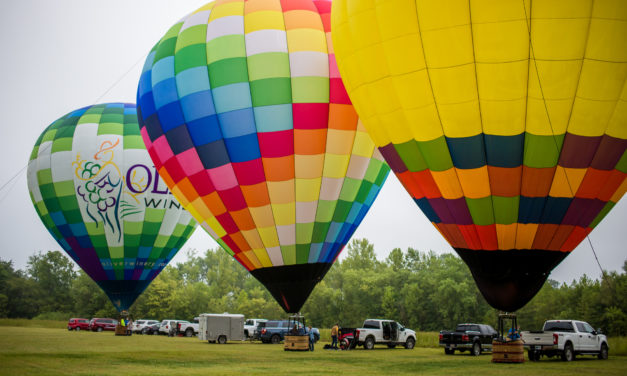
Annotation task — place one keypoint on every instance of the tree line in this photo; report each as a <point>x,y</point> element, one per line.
<point>422,290</point>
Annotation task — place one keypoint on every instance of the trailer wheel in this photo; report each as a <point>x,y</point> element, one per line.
<point>369,343</point>
<point>568,355</point>
<point>222,340</point>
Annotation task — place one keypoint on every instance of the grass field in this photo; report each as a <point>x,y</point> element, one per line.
<point>28,350</point>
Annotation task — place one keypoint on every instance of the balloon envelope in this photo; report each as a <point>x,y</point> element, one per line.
<point>507,123</point>
<point>97,192</point>
<point>246,118</point>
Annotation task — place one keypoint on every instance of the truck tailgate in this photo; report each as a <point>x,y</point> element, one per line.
<point>537,338</point>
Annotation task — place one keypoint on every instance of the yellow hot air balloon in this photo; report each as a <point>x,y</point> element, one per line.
<point>505,120</point>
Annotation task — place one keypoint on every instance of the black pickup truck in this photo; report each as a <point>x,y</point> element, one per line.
<point>473,337</point>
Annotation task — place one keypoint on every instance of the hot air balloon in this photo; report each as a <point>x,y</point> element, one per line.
<point>97,192</point>
<point>505,121</point>
<point>245,116</point>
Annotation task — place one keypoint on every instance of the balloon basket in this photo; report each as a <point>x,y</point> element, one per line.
<point>296,339</point>
<point>122,330</point>
<point>507,349</point>
<point>296,343</point>
<point>508,352</point>
<point>123,327</point>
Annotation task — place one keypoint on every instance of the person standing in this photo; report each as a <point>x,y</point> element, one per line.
<point>312,339</point>
<point>334,331</point>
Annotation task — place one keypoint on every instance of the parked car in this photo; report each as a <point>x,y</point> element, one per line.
<point>386,332</point>
<point>100,324</point>
<point>188,328</point>
<point>78,324</point>
<point>274,331</point>
<point>250,327</point>
<point>139,325</point>
<point>472,337</point>
<point>169,326</point>
<point>566,338</point>
<point>152,328</point>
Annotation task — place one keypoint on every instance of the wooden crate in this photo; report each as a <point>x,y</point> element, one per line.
<point>508,352</point>
<point>296,343</point>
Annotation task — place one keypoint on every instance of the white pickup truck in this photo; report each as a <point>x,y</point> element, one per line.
<point>188,328</point>
<point>250,327</point>
<point>386,332</point>
<point>566,338</point>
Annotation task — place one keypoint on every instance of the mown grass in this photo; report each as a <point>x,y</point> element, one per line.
<point>52,324</point>
<point>43,351</point>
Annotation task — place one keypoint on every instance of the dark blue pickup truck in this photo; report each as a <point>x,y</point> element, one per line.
<point>276,330</point>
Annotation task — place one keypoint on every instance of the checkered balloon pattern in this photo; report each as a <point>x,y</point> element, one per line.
<point>98,193</point>
<point>245,116</point>
<point>505,121</point>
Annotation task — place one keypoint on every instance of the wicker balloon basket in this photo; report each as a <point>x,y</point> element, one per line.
<point>296,343</point>
<point>508,352</point>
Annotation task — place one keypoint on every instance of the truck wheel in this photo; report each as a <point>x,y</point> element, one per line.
<point>568,355</point>
<point>409,344</point>
<point>369,343</point>
<point>78,329</point>
<point>603,353</point>
<point>222,340</point>
<point>449,351</point>
<point>476,349</point>
<point>275,339</point>
<point>99,329</point>
<point>189,332</point>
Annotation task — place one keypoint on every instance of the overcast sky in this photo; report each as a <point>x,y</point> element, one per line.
<point>61,55</point>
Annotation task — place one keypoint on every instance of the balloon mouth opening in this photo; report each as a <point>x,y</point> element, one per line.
<point>291,285</point>
<point>509,279</point>
<point>123,294</point>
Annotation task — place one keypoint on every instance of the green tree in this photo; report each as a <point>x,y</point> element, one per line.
<point>53,274</point>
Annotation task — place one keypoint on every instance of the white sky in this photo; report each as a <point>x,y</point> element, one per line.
<point>65,54</point>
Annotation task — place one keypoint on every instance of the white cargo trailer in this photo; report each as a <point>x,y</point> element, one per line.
<point>221,327</point>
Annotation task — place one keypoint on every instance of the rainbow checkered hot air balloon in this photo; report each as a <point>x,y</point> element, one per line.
<point>506,121</point>
<point>99,195</point>
<point>246,118</point>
